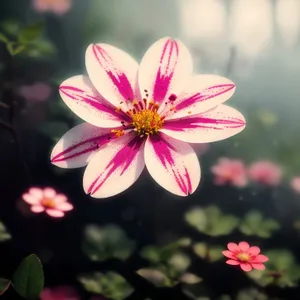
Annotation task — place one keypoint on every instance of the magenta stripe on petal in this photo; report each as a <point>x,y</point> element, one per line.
<point>168,62</point>
<point>83,147</point>
<point>162,150</point>
<point>119,79</point>
<point>122,160</point>
<point>207,94</point>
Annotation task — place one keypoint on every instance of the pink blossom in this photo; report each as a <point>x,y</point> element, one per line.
<point>246,257</point>
<point>230,171</point>
<point>37,92</point>
<point>48,200</point>
<point>295,184</point>
<point>265,172</point>
<point>59,293</point>
<point>143,115</point>
<point>58,7</point>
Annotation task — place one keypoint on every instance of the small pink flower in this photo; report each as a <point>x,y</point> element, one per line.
<point>143,115</point>
<point>48,200</point>
<point>58,7</point>
<point>37,92</point>
<point>265,172</point>
<point>295,184</point>
<point>246,257</point>
<point>230,171</point>
<point>59,293</point>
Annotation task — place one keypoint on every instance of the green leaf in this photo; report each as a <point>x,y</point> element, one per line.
<point>4,235</point>
<point>250,294</point>
<point>4,285</point>
<point>190,278</point>
<point>151,253</point>
<point>102,243</point>
<point>28,279</point>
<point>3,38</point>
<point>40,48</point>
<point>31,32</point>
<point>110,285</point>
<point>10,48</point>
<point>179,262</point>
<point>211,253</point>
<point>11,27</point>
<point>156,277</point>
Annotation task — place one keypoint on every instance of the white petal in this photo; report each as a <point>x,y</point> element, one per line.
<point>214,125</point>
<point>31,199</point>
<point>37,208</point>
<point>49,192</point>
<point>113,73</point>
<point>64,206</point>
<point>37,192</point>
<point>173,164</point>
<point>164,71</point>
<point>115,167</point>
<point>74,149</point>
<point>202,93</point>
<point>82,98</point>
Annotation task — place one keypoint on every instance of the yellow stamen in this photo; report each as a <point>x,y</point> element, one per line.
<point>48,202</point>
<point>146,121</point>
<point>243,256</point>
<point>118,132</point>
<point>117,109</point>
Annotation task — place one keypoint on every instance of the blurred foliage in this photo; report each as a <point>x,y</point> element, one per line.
<point>4,235</point>
<point>282,270</point>
<point>208,252</point>
<point>27,40</point>
<point>211,221</point>
<point>54,129</point>
<point>197,292</point>
<point>168,264</point>
<point>59,109</point>
<point>110,285</point>
<point>255,224</point>
<point>28,279</point>
<point>110,241</point>
<point>4,285</point>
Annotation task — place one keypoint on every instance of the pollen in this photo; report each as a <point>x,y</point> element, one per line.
<point>146,121</point>
<point>118,133</point>
<point>48,202</point>
<point>243,256</point>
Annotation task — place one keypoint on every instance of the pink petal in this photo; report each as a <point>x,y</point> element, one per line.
<point>246,267</point>
<point>232,262</point>
<point>203,93</point>
<point>114,168</point>
<point>49,192</point>
<point>164,71</point>
<point>253,250</point>
<point>36,192</point>
<point>228,254</point>
<point>61,7</point>
<point>244,246</point>
<point>64,206</point>
<point>82,98</point>
<point>172,164</point>
<point>258,266</point>
<point>261,258</point>
<point>59,198</point>
<point>113,73</point>
<point>74,149</point>
<point>40,5</point>
<point>31,199</point>
<point>55,213</point>
<point>233,247</point>
<point>215,125</point>
<point>37,208</point>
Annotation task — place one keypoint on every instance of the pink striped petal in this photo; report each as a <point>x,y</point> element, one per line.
<point>74,149</point>
<point>164,71</point>
<point>203,93</point>
<point>253,250</point>
<point>30,199</point>
<point>82,98</point>
<point>246,267</point>
<point>244,246</point>
<point>49,192</point>
<point>258,266</point>
<point>228,254</point>
<point>261,258</point>
<point>233,247</point>
<point>37,208</point>
<point>113,73</point>
<point>232,262</point>
<point>64,206</point>
<point>115,167</point>
<point>59,198</point>
<point>172,164</point>
<point>55,213</point>
<point>36,192</point>
<point>215,125</point>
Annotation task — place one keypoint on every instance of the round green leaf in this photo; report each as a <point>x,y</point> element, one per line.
<point>4,285</point>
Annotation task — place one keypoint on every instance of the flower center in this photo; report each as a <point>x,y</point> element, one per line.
<point>48,202</point>
<point>146,121</point>
<point>243,256</point>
